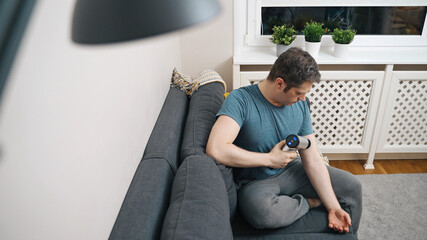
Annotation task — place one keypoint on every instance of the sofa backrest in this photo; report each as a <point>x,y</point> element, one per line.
<point>144,208</point>
<point>204,105</point>
<point>166,137</point>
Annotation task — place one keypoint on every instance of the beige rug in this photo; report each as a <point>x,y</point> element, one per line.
<point>394,207</point>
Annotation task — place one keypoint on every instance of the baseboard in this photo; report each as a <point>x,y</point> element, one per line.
<point>378,156</point>
<point>346,156</point>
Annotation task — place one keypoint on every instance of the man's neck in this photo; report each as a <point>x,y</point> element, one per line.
<point>267,87</point>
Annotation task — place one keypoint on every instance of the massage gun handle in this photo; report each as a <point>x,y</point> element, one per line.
<point>286,148</point>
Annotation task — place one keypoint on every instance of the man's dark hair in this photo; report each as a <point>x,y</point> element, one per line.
<point>295,66</point>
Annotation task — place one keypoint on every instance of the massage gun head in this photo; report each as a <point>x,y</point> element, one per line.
<point>296,142</point>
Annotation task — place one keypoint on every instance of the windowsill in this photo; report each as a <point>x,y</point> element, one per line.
<point>356,55</point>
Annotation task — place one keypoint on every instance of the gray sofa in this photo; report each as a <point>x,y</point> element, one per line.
<point>178,192</point>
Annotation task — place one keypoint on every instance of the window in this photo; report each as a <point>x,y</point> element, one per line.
<point>394,23</point>
<point>405,20</point>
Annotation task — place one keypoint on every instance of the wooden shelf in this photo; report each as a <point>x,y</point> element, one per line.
<point>357,55</point>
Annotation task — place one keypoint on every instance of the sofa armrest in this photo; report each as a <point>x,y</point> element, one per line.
<point>199,204</point>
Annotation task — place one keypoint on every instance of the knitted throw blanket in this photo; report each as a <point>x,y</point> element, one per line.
<point>189,85</point>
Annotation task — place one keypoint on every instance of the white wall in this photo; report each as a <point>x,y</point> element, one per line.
<point>74,122</point>
<point>210,46</point>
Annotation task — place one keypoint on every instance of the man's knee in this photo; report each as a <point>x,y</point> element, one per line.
<point>345,183</point>
<point>354,187</point>
<point>260,213</point>
<point>262,220</point>
<point>357,186</point>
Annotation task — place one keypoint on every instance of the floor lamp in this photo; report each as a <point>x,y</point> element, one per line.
<point>110,21</point>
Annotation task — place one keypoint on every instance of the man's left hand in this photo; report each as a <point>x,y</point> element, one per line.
<point>339,220</point>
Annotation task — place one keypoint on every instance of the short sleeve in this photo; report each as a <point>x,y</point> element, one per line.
<point>306,127</point>
<point>234,106</point>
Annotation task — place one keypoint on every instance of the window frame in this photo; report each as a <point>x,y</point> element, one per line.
<point>255,39</point>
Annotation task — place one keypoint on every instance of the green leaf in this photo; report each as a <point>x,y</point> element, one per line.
<point>313,31</point>
<point>342,36</point>
<point>283,35</point>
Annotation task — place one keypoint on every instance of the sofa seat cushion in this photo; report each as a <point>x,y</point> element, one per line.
<point>199,207</point>
<point>301,236</point>
<point>314,222</point>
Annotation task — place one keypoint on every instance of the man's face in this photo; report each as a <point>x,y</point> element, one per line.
<point>295,94</point>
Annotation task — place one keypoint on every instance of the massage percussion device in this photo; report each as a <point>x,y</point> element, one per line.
<point>294,142</point>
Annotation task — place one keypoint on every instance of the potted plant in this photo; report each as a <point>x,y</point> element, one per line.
<point>342,39</point>
<point>313,32</point>
<point>283,37</point>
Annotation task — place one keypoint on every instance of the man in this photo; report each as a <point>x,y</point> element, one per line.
<point>278,187</point>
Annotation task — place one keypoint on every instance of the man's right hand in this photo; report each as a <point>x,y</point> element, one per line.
<point>279,158</point>
<point>221,146</point>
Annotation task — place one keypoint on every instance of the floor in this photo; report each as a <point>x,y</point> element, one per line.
<point>382,166</point>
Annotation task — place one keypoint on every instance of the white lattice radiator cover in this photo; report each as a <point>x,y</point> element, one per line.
<point>405,125</point>
<point>408,125</point>
<point>341,108</point>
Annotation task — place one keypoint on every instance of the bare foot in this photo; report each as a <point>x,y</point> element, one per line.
<point>314,202</point>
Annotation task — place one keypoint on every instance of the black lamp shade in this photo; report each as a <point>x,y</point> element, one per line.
<point>109,21</point>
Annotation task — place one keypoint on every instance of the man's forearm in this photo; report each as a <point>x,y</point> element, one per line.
<point>233,156</point>
<point>320,179</point>
<point>319,175</point>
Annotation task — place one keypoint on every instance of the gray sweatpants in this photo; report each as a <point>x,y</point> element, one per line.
<point>280,200</point>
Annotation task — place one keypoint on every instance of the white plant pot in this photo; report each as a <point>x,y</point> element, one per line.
<point>341,50</point>
<point>281,48</point>
<point>313,48</point>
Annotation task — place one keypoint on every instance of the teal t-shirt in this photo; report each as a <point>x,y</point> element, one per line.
<point>263,125</point>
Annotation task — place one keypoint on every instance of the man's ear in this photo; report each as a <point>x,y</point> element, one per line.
<point>280,83</point>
